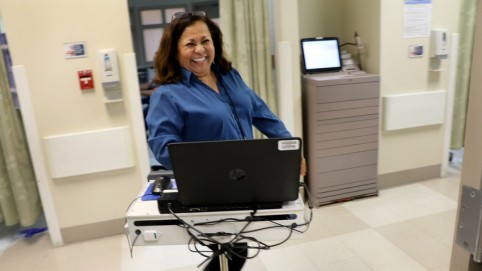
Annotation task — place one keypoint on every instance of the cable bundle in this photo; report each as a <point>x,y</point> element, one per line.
<point>238,245</point>
<point>239,242</point>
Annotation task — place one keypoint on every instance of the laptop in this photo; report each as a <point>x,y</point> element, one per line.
<point>236,174</point>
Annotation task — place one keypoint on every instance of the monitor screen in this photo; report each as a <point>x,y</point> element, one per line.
<point>320,54</point>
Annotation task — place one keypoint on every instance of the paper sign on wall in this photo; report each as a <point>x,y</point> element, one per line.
<point>417,17</point>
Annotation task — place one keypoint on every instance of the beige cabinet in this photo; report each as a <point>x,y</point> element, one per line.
<point>340,132</point>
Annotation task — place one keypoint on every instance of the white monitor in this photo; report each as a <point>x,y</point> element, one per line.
<point>320,54</point>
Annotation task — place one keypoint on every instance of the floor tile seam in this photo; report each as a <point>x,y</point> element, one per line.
<point>361,257</point>
<point>335,234</point>
<point>408,253</point>
<point>264,260</point>
<point>383,208</point>
<point>343,212</point>
<point>441,200</point>
<point>433,194</point>
<point>403,219</point>
<point>436,238</point>
<point>441,214</point>
<point>435,190</point>
<point>339,240</point>
<point>431,239</point>
<point>353,257</point>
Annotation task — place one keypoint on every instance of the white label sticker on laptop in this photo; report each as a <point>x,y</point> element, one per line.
<point>288,145</point>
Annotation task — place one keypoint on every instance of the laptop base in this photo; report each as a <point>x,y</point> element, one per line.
<point>169,200</point>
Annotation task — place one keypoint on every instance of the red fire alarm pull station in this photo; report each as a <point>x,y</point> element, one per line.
<point>86,80</point>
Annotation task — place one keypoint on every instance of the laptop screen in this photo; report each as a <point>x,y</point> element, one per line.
<point>320,54</point>
<point>236,171</point>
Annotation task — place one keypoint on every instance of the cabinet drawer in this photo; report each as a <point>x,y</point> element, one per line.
<point>342,142</point>
<point>342,189</point>
<point>344,178</point>
<point>344,113</point>
<point>345,161</point>
<point>346,149</point>
<point>343,120</point>
<point>347,134</point>
<point>345,194</point>
<point>323,107</point>
<point>347,92</point>
<point>346,126</point>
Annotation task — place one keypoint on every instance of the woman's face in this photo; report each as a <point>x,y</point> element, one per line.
<point>196,49</point>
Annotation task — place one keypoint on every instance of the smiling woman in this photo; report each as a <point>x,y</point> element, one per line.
<point>247,35</point>
<point>201,97</point>
<point>149,18</point>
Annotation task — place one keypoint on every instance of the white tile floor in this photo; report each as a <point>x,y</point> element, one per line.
<point>409,228</point>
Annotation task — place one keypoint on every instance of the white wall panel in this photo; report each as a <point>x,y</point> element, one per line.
<point>411,110</point>
<point>89,152</point>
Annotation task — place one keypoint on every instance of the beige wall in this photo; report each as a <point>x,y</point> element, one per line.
<point>341,19</point>
<point>380,25</point>
<point>363,17</point>
<point>417,147</point>
<point>320,18</point>
<point>36,32</point>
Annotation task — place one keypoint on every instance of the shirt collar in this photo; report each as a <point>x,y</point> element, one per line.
<point>187,75</point>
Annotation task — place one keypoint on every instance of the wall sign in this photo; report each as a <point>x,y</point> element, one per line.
<point>415,51</point>
<point>74,50</point>
<point>417,18</point>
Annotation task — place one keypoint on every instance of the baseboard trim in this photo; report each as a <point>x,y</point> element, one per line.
<point>408,176</point>
<point>93,231</point>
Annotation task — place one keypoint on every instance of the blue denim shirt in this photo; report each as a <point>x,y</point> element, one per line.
<point>192,111</point>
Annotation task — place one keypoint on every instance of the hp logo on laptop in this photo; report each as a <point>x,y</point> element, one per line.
<point>237,174</point>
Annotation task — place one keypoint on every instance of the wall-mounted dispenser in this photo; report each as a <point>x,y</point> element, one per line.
<point>438,43</point>
<point>438,47</point>
<point>110,75</point>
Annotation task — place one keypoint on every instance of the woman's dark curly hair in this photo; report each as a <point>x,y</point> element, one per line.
<point>166,65</point>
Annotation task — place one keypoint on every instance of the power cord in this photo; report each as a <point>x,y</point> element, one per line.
<point>208,238</point>
<point>310,205</point>
<point>239,241</point>
<point>359,46</point>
